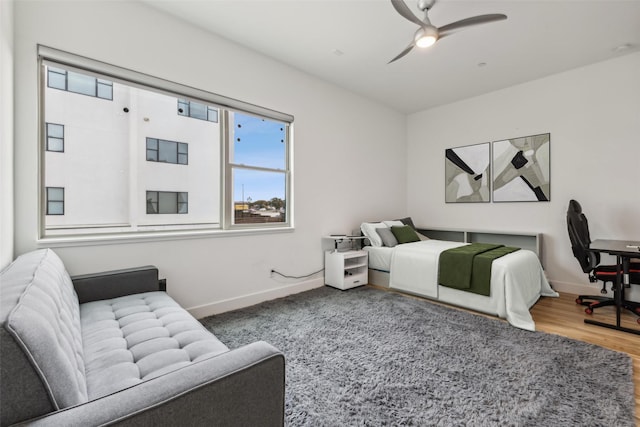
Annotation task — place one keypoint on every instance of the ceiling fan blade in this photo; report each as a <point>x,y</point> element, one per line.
<point>403,53</point>
<point>476,20</point>
<point>401,7</point>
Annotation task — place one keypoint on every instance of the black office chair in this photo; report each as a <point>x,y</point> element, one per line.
<point>578,227</point>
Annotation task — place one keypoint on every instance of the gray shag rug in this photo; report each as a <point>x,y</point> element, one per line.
<point>371,357</point>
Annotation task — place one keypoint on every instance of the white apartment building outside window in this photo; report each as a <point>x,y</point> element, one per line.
<point>135,164</point>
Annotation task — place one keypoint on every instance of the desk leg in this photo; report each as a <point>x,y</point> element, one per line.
<point>619,286</point>
<point>622,271</point>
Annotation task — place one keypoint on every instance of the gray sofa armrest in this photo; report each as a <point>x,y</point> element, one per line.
<point>116,283</point>
<point>242,387</point>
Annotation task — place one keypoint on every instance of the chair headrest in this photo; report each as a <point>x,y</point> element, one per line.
<point>575,206</point>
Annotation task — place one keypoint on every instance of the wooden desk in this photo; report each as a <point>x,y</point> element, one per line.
<point>624,250</point>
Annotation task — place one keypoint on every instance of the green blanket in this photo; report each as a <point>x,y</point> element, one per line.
<point>468,267</point>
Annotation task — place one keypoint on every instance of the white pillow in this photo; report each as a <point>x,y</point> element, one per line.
<point>369,230</point>
<point>393,223</point>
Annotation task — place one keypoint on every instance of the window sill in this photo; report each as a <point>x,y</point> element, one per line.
<point>114,239</point>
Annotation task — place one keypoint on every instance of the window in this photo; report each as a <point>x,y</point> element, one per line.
<point>167,202</point>
<point>257,163</point>
<point>160,150</point>
<point>79,83</point>
<point>197,110</point>
<point>234,161</point>
<point>55,137</point>
<point>55,201</point>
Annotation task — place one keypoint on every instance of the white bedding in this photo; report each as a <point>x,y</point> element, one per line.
<point>517,279</point>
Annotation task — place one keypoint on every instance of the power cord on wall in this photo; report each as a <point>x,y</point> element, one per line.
<point>295,277</point>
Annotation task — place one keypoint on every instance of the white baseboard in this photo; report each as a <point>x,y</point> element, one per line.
<point>252,299</point>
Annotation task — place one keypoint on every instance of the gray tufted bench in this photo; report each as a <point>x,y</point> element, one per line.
<point>115,350</point>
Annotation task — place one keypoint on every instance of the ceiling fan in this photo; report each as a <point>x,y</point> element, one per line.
<point>428,34</point>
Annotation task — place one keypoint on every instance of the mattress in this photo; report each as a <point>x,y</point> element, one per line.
<point>379,257</point>
<point>517,279</point>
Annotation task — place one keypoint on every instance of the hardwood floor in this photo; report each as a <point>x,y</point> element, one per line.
<point>562,316</point>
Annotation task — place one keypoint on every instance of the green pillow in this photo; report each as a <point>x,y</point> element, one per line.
<point>405,234</point>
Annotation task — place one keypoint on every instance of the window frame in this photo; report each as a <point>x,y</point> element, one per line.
<point>100,70</point>
<point>48,137</point>
<point>177,144</point>
<point>49,201</point>
<point>186,104</point>
<point>230,166</point>
<point>178,202</point>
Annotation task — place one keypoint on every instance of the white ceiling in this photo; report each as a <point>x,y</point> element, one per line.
<point>539,38</point>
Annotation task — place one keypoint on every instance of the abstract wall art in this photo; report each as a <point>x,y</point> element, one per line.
<point>467,172</point>
<point>521,169</point>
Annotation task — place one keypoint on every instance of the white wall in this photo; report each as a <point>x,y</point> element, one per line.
<point>6,132</point>
<point>348,165</point>
<point>593,115</point>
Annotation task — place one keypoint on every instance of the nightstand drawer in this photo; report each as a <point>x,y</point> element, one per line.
<point>355,280</point>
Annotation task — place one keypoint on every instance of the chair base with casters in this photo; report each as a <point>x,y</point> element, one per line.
<point>607,273</point>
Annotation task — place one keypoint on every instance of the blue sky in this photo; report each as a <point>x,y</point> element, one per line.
<point>259,142</point>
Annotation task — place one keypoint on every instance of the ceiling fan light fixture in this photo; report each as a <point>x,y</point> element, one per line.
<point>426,36</point>
<point>426,41</point>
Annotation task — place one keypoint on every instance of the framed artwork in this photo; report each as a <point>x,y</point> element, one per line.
<point>467,172</point>
<point>521,169</point>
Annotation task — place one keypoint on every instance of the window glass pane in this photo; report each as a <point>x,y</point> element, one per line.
<point>258,142</point>
<point>55,144</point>
<point>183,203</point>
<point>55,208</point>
<point>168,152</point>
<point>152,155</point>
<point>259,196</point>
<point>213,115</point>
<point>167,202</point>
<point>198,111</point>
<point>152,202</point>
<point>55,130</point>
<point>183,107</point>
<point>183,156</point>
<point>80,83</point>
<point>105,90</point>
<point>56,194</point>
<point>57,78</point>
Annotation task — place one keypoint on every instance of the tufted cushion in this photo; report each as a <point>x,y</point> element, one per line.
<point>43,318</point>
<point>137,337</point>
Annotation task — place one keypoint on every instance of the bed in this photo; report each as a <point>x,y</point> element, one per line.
<point>517,279</point>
